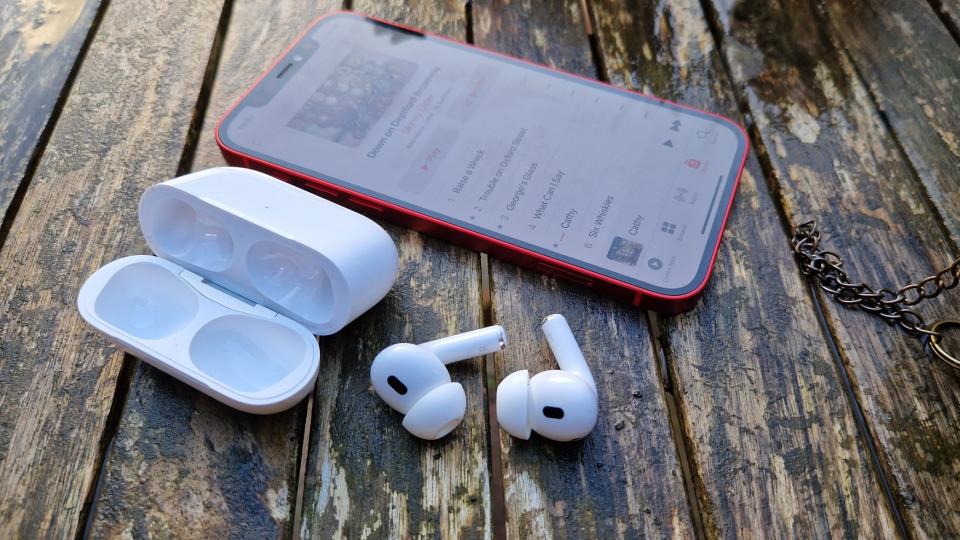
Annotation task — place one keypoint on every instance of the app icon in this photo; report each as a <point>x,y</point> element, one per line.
<point>625,251</point>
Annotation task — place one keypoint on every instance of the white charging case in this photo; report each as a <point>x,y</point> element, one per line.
<point>248,269</point>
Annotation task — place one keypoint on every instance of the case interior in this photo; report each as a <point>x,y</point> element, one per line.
<point>244,354</point>
<point>240,255</point>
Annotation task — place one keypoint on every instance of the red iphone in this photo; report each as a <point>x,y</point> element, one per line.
<point>616,190</point>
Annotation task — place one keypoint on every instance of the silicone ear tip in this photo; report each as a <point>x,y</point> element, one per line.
<point>437,413</point>
<point>512,399</point>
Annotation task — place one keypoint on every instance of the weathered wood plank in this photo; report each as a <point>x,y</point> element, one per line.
<point>183,464</point>
<point>832,158</point>
<point>764,410</point>
<point>39,44</point>
<point>899,45</point>
<point>366,476</point>
<point>624,479</point>
<point>122,128</point>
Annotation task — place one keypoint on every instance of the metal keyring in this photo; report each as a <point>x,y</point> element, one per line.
<point>935,336</point>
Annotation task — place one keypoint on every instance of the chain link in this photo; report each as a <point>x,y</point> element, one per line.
<point>826,267</point>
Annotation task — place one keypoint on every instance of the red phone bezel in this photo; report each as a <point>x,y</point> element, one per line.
<point>637,296</point>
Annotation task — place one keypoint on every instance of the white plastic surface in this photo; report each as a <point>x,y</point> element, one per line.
<point>249,268</point>
<point>253,360</point>
<point>559,404</point>
<point>272,243</point>
<point>403,373</point>
<point>414,380</point>
<point>566,392</point>
<point>468,344</point>
<point>565,348</point>
<point>437,413</point>
<point>513,404</point>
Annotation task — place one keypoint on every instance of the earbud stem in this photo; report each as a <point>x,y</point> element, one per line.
<point>565,348</point>
<point>468,344</point>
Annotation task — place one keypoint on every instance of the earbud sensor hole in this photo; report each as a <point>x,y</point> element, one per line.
<point>553,412</point>
<point>401,388</point>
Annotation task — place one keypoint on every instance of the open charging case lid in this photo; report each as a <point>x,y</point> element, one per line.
<point>247,270</point>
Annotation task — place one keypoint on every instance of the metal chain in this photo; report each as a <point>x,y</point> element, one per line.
<point>826,267</point>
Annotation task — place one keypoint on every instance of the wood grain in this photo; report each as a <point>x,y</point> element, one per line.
<point>895,45</point>
<point>366,476</point>
<point>182,463</point>
<point>764,409</point>
<point>623,480</point>
<point>831,158</point>
<point>122,128</point>
<point>39,44</point>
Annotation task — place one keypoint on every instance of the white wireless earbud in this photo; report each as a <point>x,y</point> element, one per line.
<point>413,379</point>
<point>558,404</point>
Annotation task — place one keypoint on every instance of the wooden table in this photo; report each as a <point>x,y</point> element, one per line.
<point>768,410</point>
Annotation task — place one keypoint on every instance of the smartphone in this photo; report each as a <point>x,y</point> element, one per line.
<point>616,190</point>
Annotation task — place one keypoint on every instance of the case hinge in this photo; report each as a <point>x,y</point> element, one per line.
<point>226,298</point>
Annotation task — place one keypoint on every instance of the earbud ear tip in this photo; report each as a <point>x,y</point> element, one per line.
<point>513,395</point>
<point>437,413</point>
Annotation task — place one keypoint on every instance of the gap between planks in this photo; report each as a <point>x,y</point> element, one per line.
<point>862,426</point>
<point>498,494</point>
<point>877,458</point>
<point>496,486</point>
<point>927,199</point>
<point>203,98</point>
<point>663,368</point>
<point>681,449</point>
<point>302,469</point>
<point>41,145</point>
<point>941,11</point>
<point>677,433</point>
<point>125,378</point>
<point>105,446</point>
<point>498,510</point>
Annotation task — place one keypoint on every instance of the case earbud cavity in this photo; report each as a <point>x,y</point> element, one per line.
<point>247,270</point>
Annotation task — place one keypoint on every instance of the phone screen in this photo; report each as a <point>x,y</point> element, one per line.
<point>615,182</point>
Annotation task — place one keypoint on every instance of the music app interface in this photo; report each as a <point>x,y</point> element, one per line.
<point>619,184</point>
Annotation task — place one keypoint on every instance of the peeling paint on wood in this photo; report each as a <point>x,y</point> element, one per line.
<point>366,476</point>
<point>183,462</point>
<point>769,426</point>
<point>855,184</point>
<point>122,128</point>
<point>898,45</point>
<point>223,471</point>
<point>624,479</point>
